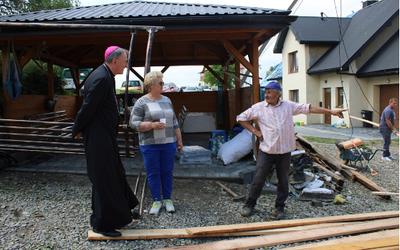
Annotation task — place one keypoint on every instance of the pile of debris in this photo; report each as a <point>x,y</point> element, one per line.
<point>316,176</point>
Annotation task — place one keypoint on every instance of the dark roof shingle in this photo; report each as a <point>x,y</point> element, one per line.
<point>138,9</point>
<point>384,62</point>
<point>362,30</point>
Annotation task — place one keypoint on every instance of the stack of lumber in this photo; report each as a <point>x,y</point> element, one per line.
<point>379,230</point>
<point>52,137</point>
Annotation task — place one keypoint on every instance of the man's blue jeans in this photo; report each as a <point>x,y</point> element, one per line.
<point>386,133</point>
<point>265,163</point>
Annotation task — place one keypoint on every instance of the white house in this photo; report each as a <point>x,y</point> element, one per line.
<point>350,63</point>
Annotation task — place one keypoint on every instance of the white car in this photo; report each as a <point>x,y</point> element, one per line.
<point>190,89</point>
<point>204,88</point>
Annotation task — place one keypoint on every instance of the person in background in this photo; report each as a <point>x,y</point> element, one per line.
<point>277,141</point>
<point>386,128</point>
<point>159,137</point>
<point>97,121</point>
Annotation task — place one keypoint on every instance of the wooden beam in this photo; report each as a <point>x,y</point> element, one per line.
<point>255,80</point>
<point>289,223</point>
<point>214,73</point>
<point>148,234</point>
<point>385,193</point>
<point>58,61</point>
<point>137,74</point>
<point>388,234</point>
<point>238,55</point>
<point>391,243</point>
<point>50,80</point>
<point>298,236</point>
<point>238,102</point>
<point>165,69</point>
<point>363,120</point>
<point>332,162</point>
<point>27,57</point>
<point>367,182</point>
<point>212,47</point>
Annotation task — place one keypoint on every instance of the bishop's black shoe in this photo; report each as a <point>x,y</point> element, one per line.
<point>111,233</point>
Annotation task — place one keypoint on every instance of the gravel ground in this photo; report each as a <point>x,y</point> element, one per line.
<point>51,211</point>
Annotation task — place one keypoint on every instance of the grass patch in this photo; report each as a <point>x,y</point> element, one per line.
<point>373,143</point>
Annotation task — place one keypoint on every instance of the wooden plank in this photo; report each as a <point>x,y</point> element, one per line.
<point>367,182</point>
<point>332,162</point>
<point>385,193</point>
<point>360,119</point>
<point>290,223</point>
<point>368,244</point>
<point>298,236</point>
<point>181,233</point>
<point>358,238</point>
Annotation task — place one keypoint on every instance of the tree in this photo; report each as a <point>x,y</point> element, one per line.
<point>34,80</point>
<point>213,82</point>
<point>271,69</point>
<point>11,7</point>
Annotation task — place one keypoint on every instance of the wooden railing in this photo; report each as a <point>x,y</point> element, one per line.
<point>52,137</point>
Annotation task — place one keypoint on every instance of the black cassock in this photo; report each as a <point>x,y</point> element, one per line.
<point>98,119</point>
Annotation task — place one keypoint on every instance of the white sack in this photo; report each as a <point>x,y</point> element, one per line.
<point>235,149</point>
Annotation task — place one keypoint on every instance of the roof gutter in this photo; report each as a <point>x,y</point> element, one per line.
<point>80,26</point>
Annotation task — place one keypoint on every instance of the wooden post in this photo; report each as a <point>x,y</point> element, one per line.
<point>238,103</point>
<point>50,80</point>
<point>7,98</point>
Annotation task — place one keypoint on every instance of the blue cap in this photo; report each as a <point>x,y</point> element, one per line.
<point>273,85</point>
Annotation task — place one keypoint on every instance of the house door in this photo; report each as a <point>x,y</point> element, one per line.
<point>387,92</point>
<point>327,101</point>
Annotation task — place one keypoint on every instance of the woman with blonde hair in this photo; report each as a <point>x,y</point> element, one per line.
<point>159,137</point>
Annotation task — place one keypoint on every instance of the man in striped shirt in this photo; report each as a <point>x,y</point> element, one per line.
<point>276,135</point>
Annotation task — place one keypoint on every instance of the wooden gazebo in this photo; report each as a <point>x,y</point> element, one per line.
<point>173,34</point>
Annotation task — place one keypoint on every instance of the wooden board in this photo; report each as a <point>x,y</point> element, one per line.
<point>361,119</point>
<point>385,193</point>
<point>148,234</point>
<point>369,244</point>
<point>367,182</point>
<point>298,236</point>
<point>289,223</point>
<point>351,239</point>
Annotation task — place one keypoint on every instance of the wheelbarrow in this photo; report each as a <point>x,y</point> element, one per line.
<point>349,152</point>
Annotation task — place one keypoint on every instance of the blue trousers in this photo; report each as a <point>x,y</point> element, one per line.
<point>265,163</point>
<point>159,160</point>
<point>386,133</point>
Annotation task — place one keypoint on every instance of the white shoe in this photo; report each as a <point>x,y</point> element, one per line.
<point>155,208</point>
<point>392,157</point>
<point>169,206</point>
<point>386,158</point>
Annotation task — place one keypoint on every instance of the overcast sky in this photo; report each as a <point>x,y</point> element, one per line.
<point>188,76</point>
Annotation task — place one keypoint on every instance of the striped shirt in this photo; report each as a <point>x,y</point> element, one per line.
<point>146,110</point>
<point>276,124</point>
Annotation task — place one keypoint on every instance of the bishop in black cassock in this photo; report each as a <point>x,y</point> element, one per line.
<point>97,121</point>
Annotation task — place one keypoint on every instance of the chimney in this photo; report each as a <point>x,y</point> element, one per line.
<point>367,3</point>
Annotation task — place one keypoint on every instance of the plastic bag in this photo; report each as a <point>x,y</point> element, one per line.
<point>340,124</point>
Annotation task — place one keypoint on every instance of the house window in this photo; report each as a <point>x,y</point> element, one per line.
<point>294,95</point>
<point>293,62</point>
<point>340,98</point>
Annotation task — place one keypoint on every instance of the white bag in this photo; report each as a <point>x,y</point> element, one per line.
<point>235,149</point>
